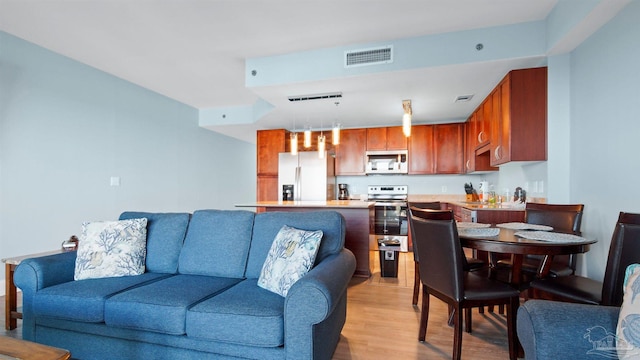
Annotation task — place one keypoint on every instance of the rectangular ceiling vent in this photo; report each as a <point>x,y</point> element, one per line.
<point>463,98</point>
<point>333,95</point>
<point>371,56</point>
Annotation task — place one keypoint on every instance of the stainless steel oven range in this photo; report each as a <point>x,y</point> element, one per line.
<point>389,215</point>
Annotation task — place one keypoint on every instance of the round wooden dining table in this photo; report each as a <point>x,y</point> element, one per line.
<point>506,242</point>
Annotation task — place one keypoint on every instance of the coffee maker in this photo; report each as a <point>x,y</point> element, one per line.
<point>343,193</point>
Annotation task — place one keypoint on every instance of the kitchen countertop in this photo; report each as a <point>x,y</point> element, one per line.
<point>479,206</point>
<point>351,204</point>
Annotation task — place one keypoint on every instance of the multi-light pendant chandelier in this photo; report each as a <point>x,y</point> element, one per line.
<point>322,140</point>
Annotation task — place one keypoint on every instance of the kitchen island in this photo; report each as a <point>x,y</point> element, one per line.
<point>355,212</point>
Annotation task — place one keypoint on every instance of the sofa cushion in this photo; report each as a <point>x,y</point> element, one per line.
<point>268,224</point>
<point>628,329</point>
<point>291,256</point>
<point>162,305</point>
<point>165,235</point>
<point>83,300</point>
<point>244,314</point>
<point>111,248</point>
<point>217,243</point>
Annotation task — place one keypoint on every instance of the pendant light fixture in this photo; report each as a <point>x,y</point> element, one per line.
<point>335,134</point>
<point>335,130</point>
<point>322,145</point>
<point>406,118</point>
<point>293,138</point>
<point>307,136</point>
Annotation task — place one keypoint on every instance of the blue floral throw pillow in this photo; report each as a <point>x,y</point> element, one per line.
<point>111,249</point>
<point>628,329</point>
<point>291,256</point>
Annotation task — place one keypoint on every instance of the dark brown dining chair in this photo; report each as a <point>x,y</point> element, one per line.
<point>562,218</point>
<point>471,263</point>
<point>433,205</point>
<point>443,275</point>
<point>623,251</point>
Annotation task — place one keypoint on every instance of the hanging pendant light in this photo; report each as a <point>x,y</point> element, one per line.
<point>322,145</point>
<point>293,138</point>
<point>335,134</point>
<point>406,118</point>
<point>307,136</point>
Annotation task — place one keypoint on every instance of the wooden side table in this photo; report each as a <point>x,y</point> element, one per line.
<point>11,301</point>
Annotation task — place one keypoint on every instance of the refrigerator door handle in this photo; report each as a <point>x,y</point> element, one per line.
<point>296,188</point>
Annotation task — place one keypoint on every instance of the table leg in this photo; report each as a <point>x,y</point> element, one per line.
<point>516,268</point>
<point>11,301</point>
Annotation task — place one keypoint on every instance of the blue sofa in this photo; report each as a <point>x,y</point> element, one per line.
<point>198,298</point>
<point>559,330</point>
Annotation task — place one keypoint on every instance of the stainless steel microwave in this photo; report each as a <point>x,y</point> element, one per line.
<point>387,162</point>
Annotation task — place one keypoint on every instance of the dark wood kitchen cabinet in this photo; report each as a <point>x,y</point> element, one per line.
<point>448,148</point>
<point>350,154</point>
<point>386,138</point>
<point>269,143</point>
<point>421,160</point>
<point>521,127</point>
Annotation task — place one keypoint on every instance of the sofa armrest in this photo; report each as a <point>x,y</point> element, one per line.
<point>35,274</point>
<point>318,297</point>
<point>558,330</point>
<point>38,273</point>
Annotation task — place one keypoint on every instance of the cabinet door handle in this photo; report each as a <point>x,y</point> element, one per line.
<point>497,152</point>
<point>480,137</point>
<point>468,164</point>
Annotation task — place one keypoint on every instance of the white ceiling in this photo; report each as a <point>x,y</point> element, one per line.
<point>194,51</point>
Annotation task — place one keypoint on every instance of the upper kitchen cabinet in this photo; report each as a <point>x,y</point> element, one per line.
<point>521,127</point>
<point>350,154</point>
<point>449,148</point>
<point>421,160</point>
<point>269,144</point>
<point>482,124</point>
<point>386,138</point>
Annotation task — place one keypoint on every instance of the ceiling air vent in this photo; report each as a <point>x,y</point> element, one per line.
<point>333,95</point>
<point>463,98</point>
<point>371,56</point>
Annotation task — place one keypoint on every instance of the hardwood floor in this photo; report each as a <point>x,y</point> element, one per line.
<point>383,324</point>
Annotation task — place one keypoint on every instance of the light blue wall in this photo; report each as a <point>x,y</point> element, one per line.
<point>605,128</point>
<point>66,129</point>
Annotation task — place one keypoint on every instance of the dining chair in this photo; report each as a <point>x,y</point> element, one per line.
<point>470,263</point>
<point>565,218</point>
<point>623,251</point>
<point>432,205</point>
<point>443,275</point>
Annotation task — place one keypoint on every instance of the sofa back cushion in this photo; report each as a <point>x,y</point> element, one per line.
<point>165,235</point>
<point>268,224</point>
<point>217,243</point>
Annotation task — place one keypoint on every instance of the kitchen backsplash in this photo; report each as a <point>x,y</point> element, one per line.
<point>531,177</point>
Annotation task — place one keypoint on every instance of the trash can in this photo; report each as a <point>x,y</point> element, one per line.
<point>389,250</point>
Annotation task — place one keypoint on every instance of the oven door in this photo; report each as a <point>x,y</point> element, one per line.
<point>390,223</point>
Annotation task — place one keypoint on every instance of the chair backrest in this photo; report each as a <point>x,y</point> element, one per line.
<point>433,205</point>
<point>623,251</point>
<point>563,218</point>
<point>441,264</point>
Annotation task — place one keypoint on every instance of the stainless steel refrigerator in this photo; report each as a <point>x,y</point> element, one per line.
<point>313,178</point>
